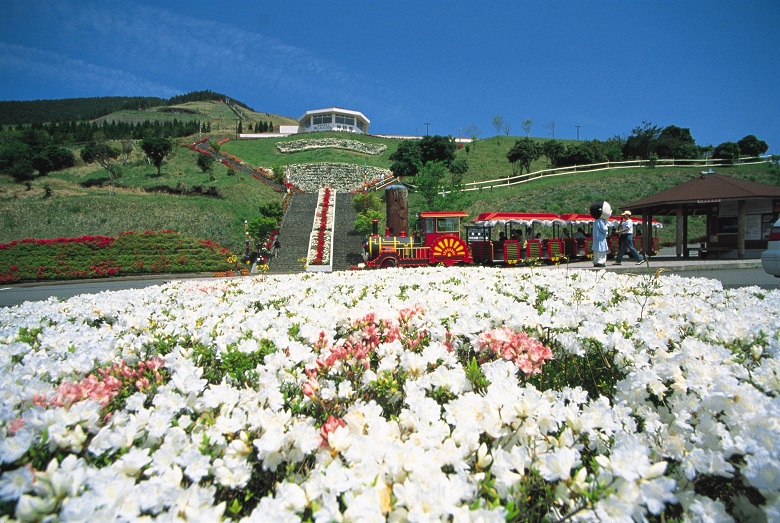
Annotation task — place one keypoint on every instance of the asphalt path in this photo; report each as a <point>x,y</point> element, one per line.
<point>17,294</point>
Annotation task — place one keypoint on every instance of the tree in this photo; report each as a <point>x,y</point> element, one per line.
<point>727,151</point>
<point>498,123</point>
<point>553,150</point>
<point>368,207</point>
<point>279,173</point>
<point>127,148</point>
<point>675,142</point>
<point>429,182</point>
<point>523,153</point>
<point>272,209</point>
<point>459,166</point>
<point>407,159</point>
<point>53,158</point>
<point>438,148</point>
<point>526,125</point>
<point>364,223</point>
<point>105,155</point>
<point>15,159</point>
<point>260,229</point>
<point>157,149</point>
<point>642,141</point>
<point>366,201</point>
<point>473,132</point>
<point>752,146</point>
<point>613,148</point>
<point>205,162</point>
<point>577,154</point>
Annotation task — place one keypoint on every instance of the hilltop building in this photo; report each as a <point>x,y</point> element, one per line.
<point>330,119</point>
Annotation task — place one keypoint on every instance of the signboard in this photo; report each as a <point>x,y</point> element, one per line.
<point>753,227</point>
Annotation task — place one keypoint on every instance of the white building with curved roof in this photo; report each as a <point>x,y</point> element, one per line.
<point>330,119</point>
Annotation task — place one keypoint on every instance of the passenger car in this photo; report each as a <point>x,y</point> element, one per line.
<point>770,258</point>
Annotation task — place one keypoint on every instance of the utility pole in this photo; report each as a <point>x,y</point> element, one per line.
<point>578,132</point>
<point>426,128</point>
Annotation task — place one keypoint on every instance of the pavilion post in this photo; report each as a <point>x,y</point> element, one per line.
<point>680,243</point>
<point>741,226</point>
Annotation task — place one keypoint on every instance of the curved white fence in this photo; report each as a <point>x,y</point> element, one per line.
<point>603,166</point>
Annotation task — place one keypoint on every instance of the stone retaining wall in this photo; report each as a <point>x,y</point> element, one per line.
<point>345,177</point>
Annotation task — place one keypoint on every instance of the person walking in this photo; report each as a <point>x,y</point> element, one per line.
<point>277,246</point>
<point>626,237</point>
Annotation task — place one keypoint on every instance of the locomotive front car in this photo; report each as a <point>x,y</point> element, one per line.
<point>437,240</point>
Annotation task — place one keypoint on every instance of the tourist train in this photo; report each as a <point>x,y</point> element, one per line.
<point>493,238</point>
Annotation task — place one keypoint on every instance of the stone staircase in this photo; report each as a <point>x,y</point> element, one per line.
<point>296,228</point>
<point>294,234</point>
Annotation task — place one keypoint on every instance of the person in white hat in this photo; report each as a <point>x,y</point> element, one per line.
<point>626,236</point>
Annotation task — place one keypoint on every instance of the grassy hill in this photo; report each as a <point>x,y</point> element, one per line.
<point>222,117</point>
<point>77,202</point>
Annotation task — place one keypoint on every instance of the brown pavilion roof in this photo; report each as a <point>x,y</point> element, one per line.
<point>701,192</point>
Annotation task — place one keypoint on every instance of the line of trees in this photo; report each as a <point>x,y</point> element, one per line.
<point>42,111</point>
<point>646,142</point>
<point>72,132</point>
<point>41,147</point>
<point>81,109</point>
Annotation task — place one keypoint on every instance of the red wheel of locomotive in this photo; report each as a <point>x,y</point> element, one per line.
<point>449,250</point>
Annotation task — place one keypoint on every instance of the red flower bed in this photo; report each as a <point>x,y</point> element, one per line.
<point>105,256</point>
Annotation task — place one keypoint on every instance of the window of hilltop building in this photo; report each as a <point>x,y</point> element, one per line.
<point>308,123</point>
<point>360,126</point>
<point>345,120</point>
<point>319,120</point>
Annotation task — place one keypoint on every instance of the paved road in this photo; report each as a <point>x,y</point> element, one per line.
<point>17,294</point>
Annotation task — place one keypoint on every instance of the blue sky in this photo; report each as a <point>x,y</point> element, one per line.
<point>605,66</point>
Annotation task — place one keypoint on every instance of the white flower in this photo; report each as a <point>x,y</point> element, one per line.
<point>16,446</point>
<point>14,483</point>
<point>132,463</point>
<point>232,473</point>
<point>558,464</point>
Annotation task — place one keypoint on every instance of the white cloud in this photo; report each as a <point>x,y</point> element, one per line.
<point>77,75</point>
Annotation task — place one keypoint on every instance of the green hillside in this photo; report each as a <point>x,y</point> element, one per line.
<point>221,116</point>
<point>77,202</point>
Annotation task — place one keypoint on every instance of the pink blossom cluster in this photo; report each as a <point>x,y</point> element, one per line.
<point>527,353</point>
<point>105,384</point>
<point>367,333</point>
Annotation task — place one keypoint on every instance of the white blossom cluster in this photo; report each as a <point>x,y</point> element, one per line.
<point>308,144</point>
<point>346,177</point>
<point>688,432</point>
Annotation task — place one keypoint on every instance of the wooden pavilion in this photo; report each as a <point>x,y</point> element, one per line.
<point>739,213</point>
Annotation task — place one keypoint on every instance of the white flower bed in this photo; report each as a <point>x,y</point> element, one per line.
<point>310,177</point>
<point>308,144</point>
<point>375,395</point>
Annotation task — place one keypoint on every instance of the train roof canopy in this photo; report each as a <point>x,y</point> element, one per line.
<point>490,219</point>
<point>443,214</point>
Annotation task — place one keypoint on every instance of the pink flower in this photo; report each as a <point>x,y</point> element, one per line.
<point>527,353</point>
<point>331,425</point>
